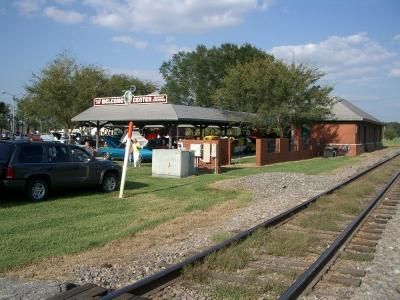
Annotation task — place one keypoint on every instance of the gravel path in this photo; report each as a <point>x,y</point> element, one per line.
<point>17,290</point>
<point>125,261</point>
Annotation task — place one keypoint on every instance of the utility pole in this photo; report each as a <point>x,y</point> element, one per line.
<point>14,98</point>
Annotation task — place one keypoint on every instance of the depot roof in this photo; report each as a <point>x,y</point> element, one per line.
<point>344,110</point>
<point>158,113</point>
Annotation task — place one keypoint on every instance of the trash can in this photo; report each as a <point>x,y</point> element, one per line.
<point>330,152</point>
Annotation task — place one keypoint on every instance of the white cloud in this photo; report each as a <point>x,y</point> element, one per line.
<point>63,16</point>
<point>396,38</point>
<point>126,39</point>
<point>354,57</point>
<point>64,2</point>
<point>394,73</point>
<point>173,15</point>
<point>27,7</point>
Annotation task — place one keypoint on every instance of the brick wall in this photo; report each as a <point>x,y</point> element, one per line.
<point>269,151</point>
<point>350,138</point>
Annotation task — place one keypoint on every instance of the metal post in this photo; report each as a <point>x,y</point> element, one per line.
<point>170,136</point>
<point>97,135</point>
<point>13,114</point>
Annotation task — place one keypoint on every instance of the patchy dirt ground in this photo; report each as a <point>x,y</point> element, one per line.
<point>126,260</point>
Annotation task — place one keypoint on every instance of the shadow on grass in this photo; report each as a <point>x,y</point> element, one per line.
<point>225,170</point>
<point>16,198</point>
<point>133,185</point>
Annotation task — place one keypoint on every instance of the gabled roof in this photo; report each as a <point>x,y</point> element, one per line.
<point>344,110</point>
<point>159,113</point>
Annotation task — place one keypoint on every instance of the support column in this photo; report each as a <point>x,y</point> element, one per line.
<point>170,136</point>
<point>202,131</point>
<point>97,135</point>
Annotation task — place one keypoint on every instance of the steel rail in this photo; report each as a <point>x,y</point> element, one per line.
<point>158,279</point>
<point>305,279</point>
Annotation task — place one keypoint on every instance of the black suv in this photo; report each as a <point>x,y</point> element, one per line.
<point>35,167</point>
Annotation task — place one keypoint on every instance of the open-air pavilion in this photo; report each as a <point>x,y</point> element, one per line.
<point>167,115</point>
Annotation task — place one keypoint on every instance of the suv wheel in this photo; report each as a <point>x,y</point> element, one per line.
<point>109,183</point>
<point>37,189</point>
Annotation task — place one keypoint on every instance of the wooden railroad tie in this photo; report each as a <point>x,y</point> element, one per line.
<point>91,291</point>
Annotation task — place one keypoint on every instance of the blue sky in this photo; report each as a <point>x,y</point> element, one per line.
<point>357,43</point>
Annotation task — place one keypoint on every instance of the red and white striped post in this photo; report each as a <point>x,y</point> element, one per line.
<point>126,157</point>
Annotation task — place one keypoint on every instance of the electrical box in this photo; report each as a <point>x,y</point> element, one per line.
<point>172,163</point>
<point>214,150</point>
<point>207,153</point>
<point>197,148</point>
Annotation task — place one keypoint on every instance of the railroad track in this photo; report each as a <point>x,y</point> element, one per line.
<point>342,266</point>
<point>271,259</point>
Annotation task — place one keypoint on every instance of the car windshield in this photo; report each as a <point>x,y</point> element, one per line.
<point>5,151</point>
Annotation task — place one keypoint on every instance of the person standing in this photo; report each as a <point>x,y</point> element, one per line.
<point>135,148</point>
<point>89,148</point>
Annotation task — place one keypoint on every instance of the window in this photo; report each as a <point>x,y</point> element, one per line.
<point>5,151</point>
<point>80,155</point>
<point>58,154</point>
<point>31,154</point>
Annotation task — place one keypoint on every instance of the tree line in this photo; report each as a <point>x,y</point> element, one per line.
<point>65,88</point>
<point>233,77</point>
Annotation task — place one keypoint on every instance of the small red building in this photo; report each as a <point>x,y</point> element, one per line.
<point>349,129</point>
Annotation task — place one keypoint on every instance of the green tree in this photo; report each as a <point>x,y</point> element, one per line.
<point>192,77</point>
<point>65,88</point>
<point>392,130</point>
<point>4,116</point>
<point>279,95</point>
<point>117,84</point>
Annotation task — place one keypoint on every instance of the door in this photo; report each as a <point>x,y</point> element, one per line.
<point>87,167</point>
<point>63,172</point>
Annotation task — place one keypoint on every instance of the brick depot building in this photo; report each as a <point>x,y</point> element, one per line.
<point>349,131</point>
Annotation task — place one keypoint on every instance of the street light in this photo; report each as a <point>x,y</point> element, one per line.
<point>14,97</point>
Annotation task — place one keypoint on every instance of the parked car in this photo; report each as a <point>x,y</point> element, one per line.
<point>243,145</point>
<point>157,143</point>
<point>38,167</point>
<point>211,137</point>
<point>116,150</point>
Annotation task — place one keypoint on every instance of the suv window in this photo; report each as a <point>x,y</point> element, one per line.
<point>58,154</point>
<point>31,154</point>
<point>80,155</point>
<point>6,150</point>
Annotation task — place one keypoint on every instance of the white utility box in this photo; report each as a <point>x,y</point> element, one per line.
<point>173,163</point>
<point>197,148</point>
<point>207,153</point>
<point>214,150</point>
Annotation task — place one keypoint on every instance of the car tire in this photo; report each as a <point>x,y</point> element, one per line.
<point>37,189</point>
<point>109,183</point>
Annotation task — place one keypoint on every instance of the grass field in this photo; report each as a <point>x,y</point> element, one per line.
<point>72,221</point>
<point>392,143</point>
